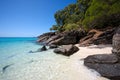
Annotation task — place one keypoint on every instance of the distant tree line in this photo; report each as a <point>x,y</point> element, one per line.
<point>88,14</point>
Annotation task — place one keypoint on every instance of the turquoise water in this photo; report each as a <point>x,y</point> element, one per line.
<point>10,47</point>
<point>16,63</point>
<point>14,50</point>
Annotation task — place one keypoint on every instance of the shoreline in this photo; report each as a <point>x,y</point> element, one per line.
<point>47,65</point>
<point>87,51</point>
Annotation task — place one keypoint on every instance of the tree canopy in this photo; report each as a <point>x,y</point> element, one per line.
<point>87,14</point>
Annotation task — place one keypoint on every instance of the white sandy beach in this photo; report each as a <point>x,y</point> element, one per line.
<point>49,66</point>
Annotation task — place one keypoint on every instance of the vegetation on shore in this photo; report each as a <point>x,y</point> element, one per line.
<point>88,14</point>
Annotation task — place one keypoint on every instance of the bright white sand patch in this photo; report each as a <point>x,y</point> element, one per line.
<point>49,66</point>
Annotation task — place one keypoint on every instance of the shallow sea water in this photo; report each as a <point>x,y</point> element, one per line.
<point>16,63</point>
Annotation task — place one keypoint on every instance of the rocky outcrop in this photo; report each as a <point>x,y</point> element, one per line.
<point>107,65</point>
<point>94,36</point>
<point>44,37</point>
<point>53,46</point>
<point>64,38</point>
<point>116,43</point>
<point>98,37</point>
<point>66,50</point>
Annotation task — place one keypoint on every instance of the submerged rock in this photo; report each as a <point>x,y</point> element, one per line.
<point>66,50</point>
<point>31,51</point>
<point>5,67</point>
<point>42,49</point>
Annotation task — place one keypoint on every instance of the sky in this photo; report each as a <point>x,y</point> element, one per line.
<point>28,18</point>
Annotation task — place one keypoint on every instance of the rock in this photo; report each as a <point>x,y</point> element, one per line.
<point>44,37</point>
<point>98,37</point>
<point>47,34</point>
<point>111,71</point>
<point>42,49</point>
<point>107,65</point>
<point>70,37</point>
<point>60,51</point>
<point>6,67</point>
<point>106,37</point>
<point>66,50</point>
<point>116,43</point>
<point>102,58</point>
<point>52,38</point>
<point>53,46</point>
<point>31,51</point>
<point>63,38</point>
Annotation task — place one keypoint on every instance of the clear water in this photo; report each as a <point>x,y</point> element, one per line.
<point>16,63</point>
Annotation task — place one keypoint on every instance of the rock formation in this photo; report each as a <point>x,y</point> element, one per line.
<point>98,37</point>
<point>64,38</point>
<point>108,65</point>
<point>66,50</point>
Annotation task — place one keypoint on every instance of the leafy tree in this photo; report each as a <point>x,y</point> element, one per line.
<point>88,14</point>
<point>71,26</point>
<point>99,13</point>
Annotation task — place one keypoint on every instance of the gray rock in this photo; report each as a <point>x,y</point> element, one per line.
<point>31,51</point>
<point>111,71</point>
<point>116,43</point>
<point>42,49</point>
<point>66,50</point>
<point>102,58</point>
<point>107,65</point>
<point>66,38</point>
<point>60,51</point>
<point>6,67</point>
<point>44,37</point>
<point>53,46</point>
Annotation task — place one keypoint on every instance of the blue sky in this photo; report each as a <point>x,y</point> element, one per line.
<point>22,18</point>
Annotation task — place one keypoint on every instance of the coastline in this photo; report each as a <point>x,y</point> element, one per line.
<point>95,42</point>
<point>47,65</point>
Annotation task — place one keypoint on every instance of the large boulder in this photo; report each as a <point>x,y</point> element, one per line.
<point>111,71</point>
<point>101,58</point>
<point>66,50</point>
<point>116,43</point>
<point>107,65</point>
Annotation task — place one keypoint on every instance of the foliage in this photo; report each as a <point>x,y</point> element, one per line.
<point>71,26</point>
<point>88,14</point>
<point>99,14</point>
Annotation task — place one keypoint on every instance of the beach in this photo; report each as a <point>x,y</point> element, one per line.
<point>47,65</point>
